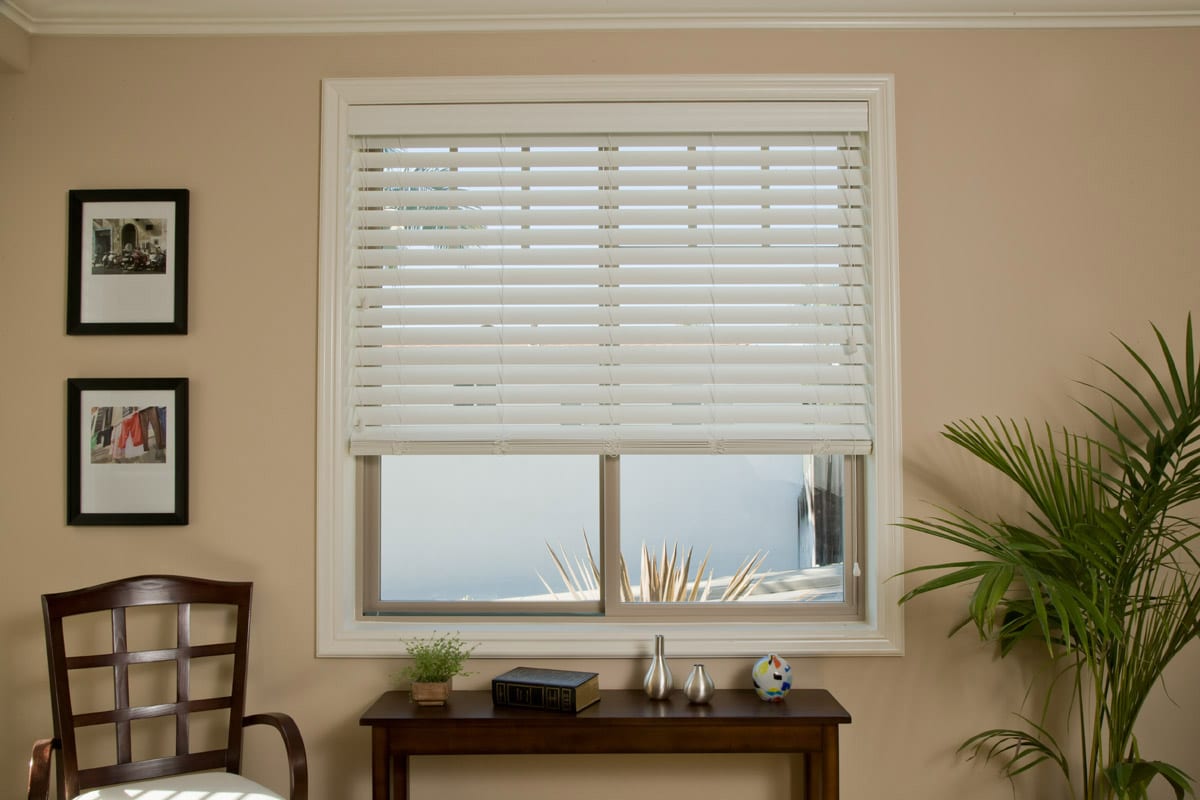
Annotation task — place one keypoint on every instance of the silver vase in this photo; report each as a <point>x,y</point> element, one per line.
<point>658,682</point>
<point>698,688</point>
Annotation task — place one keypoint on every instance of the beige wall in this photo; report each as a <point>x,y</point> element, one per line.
<point>14,47</point>
<point>1047,198</point>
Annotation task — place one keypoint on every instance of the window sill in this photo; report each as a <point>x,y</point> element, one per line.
<point>608,638</point>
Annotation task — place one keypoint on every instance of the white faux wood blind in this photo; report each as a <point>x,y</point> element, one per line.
<point>576,292</point>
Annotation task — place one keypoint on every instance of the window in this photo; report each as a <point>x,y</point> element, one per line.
<point>598,354</point>
<point>522,533</point>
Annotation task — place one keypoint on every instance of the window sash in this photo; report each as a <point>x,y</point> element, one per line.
<point>610,605</point>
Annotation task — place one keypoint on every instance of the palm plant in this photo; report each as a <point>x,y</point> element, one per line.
<point>664,578</point>
<point>1102,572</point>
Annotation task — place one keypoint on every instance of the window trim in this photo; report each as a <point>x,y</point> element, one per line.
<point>342,631</point>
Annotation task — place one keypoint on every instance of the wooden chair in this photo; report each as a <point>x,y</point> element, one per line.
<point>211,772</point>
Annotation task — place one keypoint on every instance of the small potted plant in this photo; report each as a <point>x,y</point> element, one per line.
<point>435,660</point>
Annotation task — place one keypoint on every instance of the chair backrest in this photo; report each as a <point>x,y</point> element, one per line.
<point>114,600</point>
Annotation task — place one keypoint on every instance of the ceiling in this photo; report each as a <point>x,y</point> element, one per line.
<point>146,17</point>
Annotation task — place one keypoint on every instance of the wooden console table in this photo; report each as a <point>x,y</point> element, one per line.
<point>736,721</point>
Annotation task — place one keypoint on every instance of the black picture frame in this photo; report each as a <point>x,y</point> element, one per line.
<point>127,261</point>
<point>127,451</point>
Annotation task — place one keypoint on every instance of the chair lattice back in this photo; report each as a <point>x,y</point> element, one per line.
<point>116,597</point>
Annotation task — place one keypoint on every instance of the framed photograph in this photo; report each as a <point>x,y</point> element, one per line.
<point>127,451</point>
<point>127,261</point>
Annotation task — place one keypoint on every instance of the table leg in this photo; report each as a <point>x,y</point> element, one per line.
<point>812,776</point>
<point>829,763</point>
<point>400,776</point>
<point>379,764</point>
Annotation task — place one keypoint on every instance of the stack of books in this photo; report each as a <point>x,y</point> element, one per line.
<point>549,689</point>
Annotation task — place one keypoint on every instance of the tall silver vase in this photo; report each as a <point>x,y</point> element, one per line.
<point>658,682</point>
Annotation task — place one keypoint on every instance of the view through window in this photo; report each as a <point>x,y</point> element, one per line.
<point>755,528</point>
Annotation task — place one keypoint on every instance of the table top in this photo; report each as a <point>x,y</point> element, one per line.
<point>807,706</point>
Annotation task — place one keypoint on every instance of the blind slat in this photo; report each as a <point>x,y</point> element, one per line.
<point>403,237</point>
<point>633,414</point>
<point>674,140</point>
<point>608,256</point>
<point>416,217</point>
<point>621,152</point>
<point>534,182</point>
<point>468,374</point>
<point>615,198</point>
<point>628,393</point>
<point>825,342</point>
<point>677,315</point>
<point>624,295</point>
<point>629,275</point>
<point>744,438</point>
<point>665,354</point>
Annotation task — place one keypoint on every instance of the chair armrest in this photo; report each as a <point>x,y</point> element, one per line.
<point>293,744</point>
<point>39,769</point>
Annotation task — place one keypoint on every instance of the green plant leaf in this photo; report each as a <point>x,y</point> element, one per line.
<point>1130,779</point>
<point>437,658</point>
<point>1018,750</point>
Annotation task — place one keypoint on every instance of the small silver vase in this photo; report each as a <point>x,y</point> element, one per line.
<point>658,682</point>
<point>698,688</point>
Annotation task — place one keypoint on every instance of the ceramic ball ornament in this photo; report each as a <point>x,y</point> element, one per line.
<point>772,678</point>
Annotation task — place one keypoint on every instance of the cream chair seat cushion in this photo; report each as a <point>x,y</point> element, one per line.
<point>192,786</point>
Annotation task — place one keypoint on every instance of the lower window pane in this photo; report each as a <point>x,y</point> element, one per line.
<point>752,528</point>
<point>480,528</point>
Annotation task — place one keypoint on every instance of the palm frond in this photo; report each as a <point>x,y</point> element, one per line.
<point>1131,778</point>
<point>1018,750</point>
<point>666,577</point>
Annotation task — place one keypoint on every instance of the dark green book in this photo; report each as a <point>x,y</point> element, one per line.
<point>549,689</point>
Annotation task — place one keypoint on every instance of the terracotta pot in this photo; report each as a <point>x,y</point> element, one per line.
<point>430,694</point>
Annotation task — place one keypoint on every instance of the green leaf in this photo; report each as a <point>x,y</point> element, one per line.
<point>1018,750</point>
<point>1130,779</point>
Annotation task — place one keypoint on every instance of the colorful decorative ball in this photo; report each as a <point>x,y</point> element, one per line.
<point>772,678</point>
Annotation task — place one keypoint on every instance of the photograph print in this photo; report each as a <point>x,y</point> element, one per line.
<point>127,261</point>
<point>121,246</point>
<point>127,451</point>
<point>129,434</point>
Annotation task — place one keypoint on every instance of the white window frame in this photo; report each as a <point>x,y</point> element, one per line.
<point>342,631</point>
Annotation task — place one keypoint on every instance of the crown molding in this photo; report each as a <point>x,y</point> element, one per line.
<point>14,47</point>
<point>347,21</point>
<point>16,16</point>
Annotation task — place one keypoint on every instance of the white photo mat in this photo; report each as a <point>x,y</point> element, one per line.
<point>133,297</point>
<point>126,488</point>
